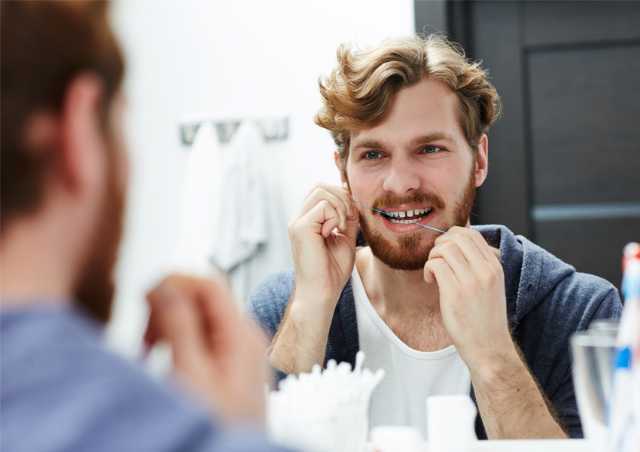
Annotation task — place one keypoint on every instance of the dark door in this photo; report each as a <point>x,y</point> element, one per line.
<point>565,157</point>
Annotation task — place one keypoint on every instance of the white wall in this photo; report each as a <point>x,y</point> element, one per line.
<point>233,58</point>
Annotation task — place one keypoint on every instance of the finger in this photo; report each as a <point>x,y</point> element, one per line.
<point>350,210</point>
<point>154,295</point>
<point>344,196</point>
<point>469,249</point>
<point>220,314</point>
<point>471,235</point>
<point>491,253</point>
<point>174,319</point>
<point>443,275</point>
<point>427,275</point>
<point>315,219</point>
<point>334,198</point>
<point>150,336</point>
<point>343,238</point>
<point>192,288</point>
<point>453,255</point>
<point>481,243</point>
<point>328,227</point>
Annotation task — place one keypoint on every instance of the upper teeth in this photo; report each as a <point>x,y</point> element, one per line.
<point>408,213</point>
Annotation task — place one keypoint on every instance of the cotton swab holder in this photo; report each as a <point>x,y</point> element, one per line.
<point>323,410</point>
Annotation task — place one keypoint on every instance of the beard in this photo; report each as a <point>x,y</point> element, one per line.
<point>95,287</point>
<point>410,251</point>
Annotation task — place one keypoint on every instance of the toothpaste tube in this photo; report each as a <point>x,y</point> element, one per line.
<point>624,414</point>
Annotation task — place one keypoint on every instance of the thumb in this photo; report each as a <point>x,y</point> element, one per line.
<point>173,318</point>
<point>427,275</point>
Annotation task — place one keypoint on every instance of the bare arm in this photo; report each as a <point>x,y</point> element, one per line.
<point>323,242</point>
<point>301,340</point>
<point>470,280</point>
<point>510,402</point>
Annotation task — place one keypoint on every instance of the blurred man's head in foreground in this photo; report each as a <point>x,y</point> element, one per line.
<point>63,160</point>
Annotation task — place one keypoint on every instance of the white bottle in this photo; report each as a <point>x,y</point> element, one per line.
<point>450,423</point>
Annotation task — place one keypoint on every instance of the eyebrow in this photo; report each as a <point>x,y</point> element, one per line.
<point>374,143</point>
<point>436,136</point>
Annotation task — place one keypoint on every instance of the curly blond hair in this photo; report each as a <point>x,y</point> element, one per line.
<point>357,92</point>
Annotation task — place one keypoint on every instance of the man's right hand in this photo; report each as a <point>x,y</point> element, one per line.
<point>218,354</point>
<point>323,244</point>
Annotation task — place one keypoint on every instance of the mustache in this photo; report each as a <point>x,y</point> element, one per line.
<point>391,200</point>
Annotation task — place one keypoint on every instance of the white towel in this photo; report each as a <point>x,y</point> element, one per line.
<point>200,199</point>
<point>241,217</point>
<point>250,238</point>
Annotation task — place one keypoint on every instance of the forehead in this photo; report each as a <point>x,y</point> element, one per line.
<point>425,108</point>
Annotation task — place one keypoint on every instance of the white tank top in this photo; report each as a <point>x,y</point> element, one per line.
<point>410,375</point>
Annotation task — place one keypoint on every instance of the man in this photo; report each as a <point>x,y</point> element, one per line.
<point>63,185</point>
<point>473,309</point>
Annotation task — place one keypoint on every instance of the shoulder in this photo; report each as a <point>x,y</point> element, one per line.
<point>539,282</point>
<point>554,300</point>
<point>576,297</point>
<point>160,417</point>
<point>269,302</point>
<point>583,298</point>
<point>96,400</point>
<point>61,382</point>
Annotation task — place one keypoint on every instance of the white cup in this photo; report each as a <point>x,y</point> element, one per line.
<point>450,423</point>
<point>396,438</point>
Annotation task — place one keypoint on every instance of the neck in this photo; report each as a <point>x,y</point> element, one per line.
<point>37,263</point>
<point>397,293</point>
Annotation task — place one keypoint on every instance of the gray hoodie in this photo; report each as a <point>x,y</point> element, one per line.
<point>547,301</point>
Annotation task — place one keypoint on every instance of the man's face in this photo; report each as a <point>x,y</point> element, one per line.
<point>417,167</point>
<point>95,287</point>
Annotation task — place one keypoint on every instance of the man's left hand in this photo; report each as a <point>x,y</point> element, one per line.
<point>470,281</point>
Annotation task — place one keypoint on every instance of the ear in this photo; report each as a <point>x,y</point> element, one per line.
<point>341,165</point>
<point>482,160</point>
<point>82,147</point>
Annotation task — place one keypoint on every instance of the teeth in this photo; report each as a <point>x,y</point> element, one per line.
<point>398,216</point>
<point>405,221</point>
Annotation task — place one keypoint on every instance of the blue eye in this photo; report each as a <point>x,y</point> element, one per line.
<point>431,149</point>
<point>372,155</point>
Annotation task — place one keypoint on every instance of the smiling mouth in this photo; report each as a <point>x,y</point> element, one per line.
<point>404,216</point>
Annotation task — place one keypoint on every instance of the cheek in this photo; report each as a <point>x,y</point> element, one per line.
<point>455,189</point>
<point>438,179</point>
<point>364,184</point>
<point>450,178</point>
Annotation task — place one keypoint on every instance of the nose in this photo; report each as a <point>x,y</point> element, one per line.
<point>402,177</point>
